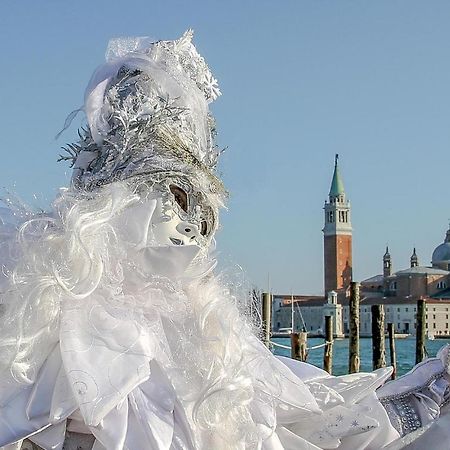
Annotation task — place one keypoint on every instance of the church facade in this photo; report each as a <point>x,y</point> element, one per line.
<point>400,290</point>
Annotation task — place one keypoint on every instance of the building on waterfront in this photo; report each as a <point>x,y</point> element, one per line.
<point>399,291</point>
<point>308,312</point>
<point>306,309</point>
<point>334,309</point>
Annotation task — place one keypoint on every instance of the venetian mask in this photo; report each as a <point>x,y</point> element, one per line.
<point>171,212</point>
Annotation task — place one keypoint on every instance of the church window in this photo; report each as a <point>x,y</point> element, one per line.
<point>442,285</point>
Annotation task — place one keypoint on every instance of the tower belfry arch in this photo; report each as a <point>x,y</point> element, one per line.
<point>337,236</point>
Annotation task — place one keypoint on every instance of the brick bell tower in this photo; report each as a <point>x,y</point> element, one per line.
<point>337,236</point>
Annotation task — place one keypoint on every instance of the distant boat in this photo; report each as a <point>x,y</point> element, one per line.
<point>287,330</point>
<point>402,335</point>
<point>282,333</point>
<point>430,336</point>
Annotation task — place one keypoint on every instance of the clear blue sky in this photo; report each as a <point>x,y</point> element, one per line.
<point>302,80</point>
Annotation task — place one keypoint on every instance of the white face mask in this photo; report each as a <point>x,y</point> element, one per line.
<point>159,241</point>
<point>181,216</point>
<point>167,216</point>
<point>168,228</point>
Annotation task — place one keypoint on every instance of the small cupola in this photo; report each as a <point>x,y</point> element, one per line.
<point>414,259</point>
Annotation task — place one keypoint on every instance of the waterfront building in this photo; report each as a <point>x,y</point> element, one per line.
<point>309,313</point>
<point>399,291</point>
<point>307,309</point>
<point>334,309</point>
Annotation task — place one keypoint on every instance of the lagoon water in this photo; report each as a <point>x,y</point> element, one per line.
<point>405,349</point>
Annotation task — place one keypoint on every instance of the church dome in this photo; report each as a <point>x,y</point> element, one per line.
<point>441,253</point>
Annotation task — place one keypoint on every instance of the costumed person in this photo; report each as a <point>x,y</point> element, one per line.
<point>115,331</point>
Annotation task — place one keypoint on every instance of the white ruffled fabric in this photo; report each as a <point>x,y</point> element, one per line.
<point>111,386</point>
<point>122,372</point>
<point>111,377</point>
<point>107,377</point>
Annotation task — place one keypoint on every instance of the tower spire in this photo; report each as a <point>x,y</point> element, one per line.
<point>337,185</point>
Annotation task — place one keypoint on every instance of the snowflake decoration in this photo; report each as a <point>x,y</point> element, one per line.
<point>192,63</point>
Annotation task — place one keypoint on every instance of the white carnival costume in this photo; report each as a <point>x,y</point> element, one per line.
<point>115,332</point>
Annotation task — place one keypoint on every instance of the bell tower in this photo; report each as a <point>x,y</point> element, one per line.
<point>387,264</point>
<point>414,259</point>
<point>337,236</point>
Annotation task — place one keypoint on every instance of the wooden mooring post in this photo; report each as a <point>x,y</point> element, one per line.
<point>378,340</point>
<point>420,331</point>
<point>353,324</point>
<point>328,349</point>
<point>391,334</point>
<point>299,346</point>
<point>266,318</point>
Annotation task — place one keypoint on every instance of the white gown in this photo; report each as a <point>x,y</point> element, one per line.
<point>130,371</point>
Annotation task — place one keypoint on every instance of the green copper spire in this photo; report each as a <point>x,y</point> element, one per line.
<point>337,185</point>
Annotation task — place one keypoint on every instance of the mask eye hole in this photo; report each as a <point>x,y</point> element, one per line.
<point>180,197</point>
<point>204,228</point>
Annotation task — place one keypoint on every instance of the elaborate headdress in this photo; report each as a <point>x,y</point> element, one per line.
<point>147,113</point>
